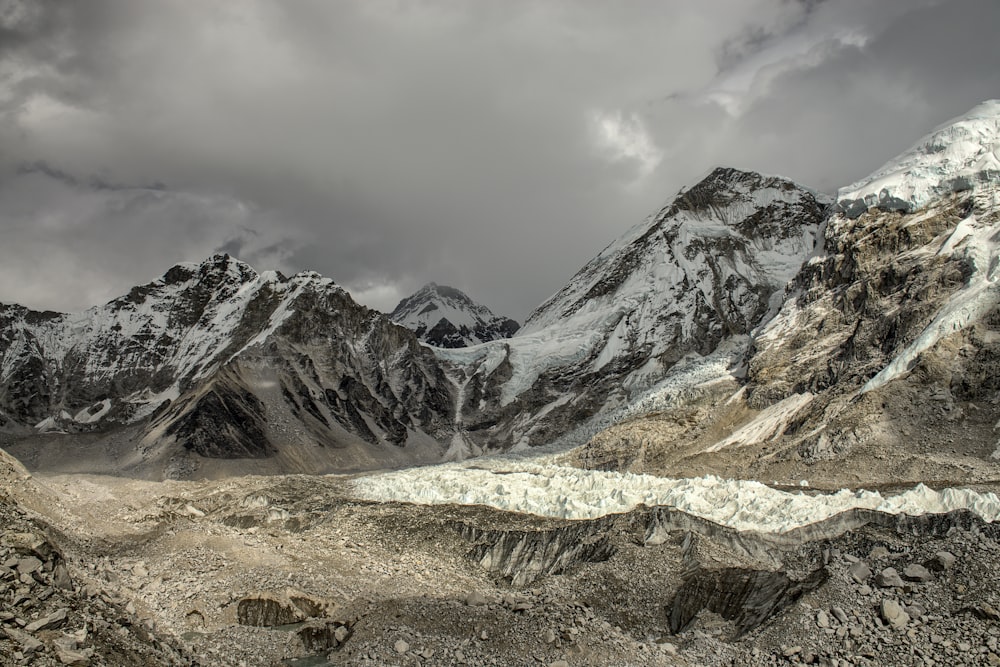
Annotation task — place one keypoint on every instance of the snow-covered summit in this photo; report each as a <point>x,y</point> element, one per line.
<point>962,154</point>
<point>733,232</point>
<point>443,316</point>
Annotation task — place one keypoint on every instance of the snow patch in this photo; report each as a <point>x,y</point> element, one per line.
<point>769,424</point>
<point>91,415</point>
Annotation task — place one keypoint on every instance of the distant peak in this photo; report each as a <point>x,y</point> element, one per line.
<point>446,316</point>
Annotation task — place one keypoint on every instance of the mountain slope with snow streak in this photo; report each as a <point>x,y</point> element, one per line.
<point>443,316</point>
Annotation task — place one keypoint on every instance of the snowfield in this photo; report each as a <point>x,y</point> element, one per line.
<point>571,493</point>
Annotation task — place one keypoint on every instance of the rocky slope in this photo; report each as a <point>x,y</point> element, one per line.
<point>443,316</point>
<point>881,365</point>
<point>268,571</point>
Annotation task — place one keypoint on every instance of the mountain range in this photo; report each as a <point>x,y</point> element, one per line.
<point>750,326</point>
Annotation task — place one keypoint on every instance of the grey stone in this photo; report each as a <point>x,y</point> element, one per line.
<point>878,552</point>
<point>550,636</point>
<point>401,646</point>
<point>889,578</point>
<point>822,619</point>
<point>893,614</point>
<point>914,572</point>
<point>942,560</point>
<point>859,571</point>
<point>53,620</point>
<point>839,614</point>
<point>29,645</point>
<point>61,578</point>
<point>28,565</point>
<point>74,657</point>
<point>476,599</point>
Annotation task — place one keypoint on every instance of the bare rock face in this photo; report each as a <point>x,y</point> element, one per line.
<point>746,597</point>
<point>269,610</point>
<point>322,636</point>
<point>524,556</point>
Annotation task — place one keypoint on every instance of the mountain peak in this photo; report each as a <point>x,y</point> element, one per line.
<point>759,228</point>
<point>962,154</point>
<point>445,316</point>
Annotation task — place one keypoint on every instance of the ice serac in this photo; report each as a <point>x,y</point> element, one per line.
<point>443,316</point>
<point>709,267</point>
<point>216,361</point>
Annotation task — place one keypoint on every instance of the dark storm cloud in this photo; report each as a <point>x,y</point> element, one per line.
<point>492,146</point>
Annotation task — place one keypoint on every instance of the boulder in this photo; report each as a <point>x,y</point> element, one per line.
<point>942,560</point>
<point>893,614</point>
<point>914,572</point>
<point>859,571</point>
<point>476,599</point>
<point>889,578</point>
<point>54,620</point>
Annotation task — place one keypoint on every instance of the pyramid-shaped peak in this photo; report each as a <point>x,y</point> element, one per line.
<point>445,316</point>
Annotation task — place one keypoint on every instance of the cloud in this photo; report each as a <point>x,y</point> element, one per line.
<point>492,146</point>
<point>624,137</point>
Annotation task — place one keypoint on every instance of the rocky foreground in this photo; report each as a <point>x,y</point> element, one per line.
<point>296,571</point>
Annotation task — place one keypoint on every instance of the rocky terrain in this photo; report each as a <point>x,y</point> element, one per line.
<point>296,570</point>
<point>443,316</point>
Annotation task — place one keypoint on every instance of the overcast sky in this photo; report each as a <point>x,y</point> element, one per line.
<point>492,145</point>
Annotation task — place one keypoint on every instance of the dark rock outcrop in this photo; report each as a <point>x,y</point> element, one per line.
<point>748,598</point>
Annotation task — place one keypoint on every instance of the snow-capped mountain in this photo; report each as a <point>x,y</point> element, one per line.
<point>707,268</point>
<point>882,363</point>
<point>443,316</point>
<point>216,360</point>
<point>749,322</point>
